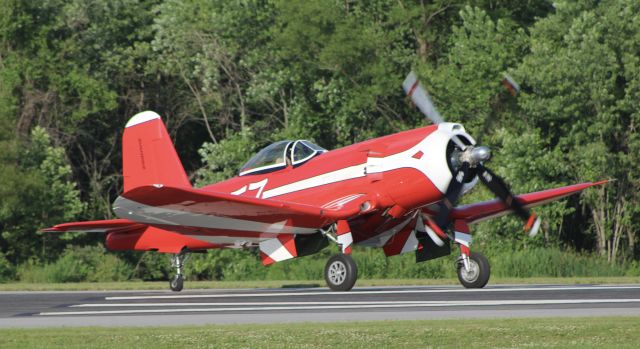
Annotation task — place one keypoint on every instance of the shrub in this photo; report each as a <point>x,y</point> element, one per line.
<point>88,263</point>
<point>94,264</point>
<point>551,261</point>
<point>152,266</point>
<point>7,270</point>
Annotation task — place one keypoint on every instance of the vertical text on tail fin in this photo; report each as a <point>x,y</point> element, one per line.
<point>148,155</point>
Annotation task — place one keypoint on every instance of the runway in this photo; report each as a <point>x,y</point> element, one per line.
<point>193,307</point>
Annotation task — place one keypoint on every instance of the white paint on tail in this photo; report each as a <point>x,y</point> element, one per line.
<point>142,117</point>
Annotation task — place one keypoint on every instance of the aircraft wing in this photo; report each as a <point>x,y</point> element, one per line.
<point>169,206</point>
<point>480,211</point>
<point>102,226</point>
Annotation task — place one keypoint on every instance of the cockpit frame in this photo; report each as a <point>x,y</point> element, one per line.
<point>269,160</point>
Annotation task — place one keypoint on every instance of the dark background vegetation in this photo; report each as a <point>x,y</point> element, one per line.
<point>229,77</point>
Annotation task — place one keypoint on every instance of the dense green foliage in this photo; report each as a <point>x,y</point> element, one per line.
<point>228,77</point>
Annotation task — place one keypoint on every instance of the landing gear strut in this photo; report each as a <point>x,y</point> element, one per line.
<point>341,271</point>
<point>475,271</point>
<point>177,261</point>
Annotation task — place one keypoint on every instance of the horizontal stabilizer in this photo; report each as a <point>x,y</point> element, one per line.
<point>103,226</point>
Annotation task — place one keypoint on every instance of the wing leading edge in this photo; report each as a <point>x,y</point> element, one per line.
<point>480,211</point>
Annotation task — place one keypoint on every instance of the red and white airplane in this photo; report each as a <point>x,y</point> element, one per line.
<point>293,198</point>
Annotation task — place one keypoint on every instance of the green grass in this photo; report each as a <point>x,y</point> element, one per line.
<point>162,285</point>
<point>609,332</point>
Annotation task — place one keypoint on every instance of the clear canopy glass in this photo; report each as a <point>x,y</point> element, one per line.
<point>273,156</point>
<point>280,154</point>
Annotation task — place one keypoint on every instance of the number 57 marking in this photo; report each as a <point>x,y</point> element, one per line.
<point>259,186</point>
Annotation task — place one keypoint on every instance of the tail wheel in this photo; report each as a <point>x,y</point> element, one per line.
<point>341,272</point>
<point>478,274</point>
<point>177,261</point>
<point>176,283</point>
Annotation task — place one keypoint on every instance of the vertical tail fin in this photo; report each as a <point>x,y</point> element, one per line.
<point>148,155</point>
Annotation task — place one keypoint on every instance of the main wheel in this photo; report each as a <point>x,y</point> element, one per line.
<point>478,274</point>
<point>341,272</point>
<point>176,283</point>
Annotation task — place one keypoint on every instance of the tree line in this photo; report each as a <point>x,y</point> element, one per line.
<point>229,77</point>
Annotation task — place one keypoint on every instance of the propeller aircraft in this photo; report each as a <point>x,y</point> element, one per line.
<point>293,198</point>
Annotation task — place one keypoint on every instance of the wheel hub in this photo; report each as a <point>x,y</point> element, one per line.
<point>472,274</point>
<point>337,272</point>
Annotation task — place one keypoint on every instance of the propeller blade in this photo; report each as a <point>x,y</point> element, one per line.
<point>420,98</point>
<point>510,84</point>
<point>451,196</point>
<point>501,190</point>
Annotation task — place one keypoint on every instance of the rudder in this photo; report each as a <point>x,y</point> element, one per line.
<point>148,155</point>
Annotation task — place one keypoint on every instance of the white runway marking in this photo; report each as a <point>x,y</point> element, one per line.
<point>356,292</point>
<point>124,305</point>
<point>351,305</point>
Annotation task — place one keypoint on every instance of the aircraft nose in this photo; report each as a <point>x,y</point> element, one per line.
<point>480,154</point>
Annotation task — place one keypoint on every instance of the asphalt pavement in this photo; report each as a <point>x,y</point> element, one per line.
<point>243,306</point>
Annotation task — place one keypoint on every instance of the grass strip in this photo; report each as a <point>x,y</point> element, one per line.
<point>606,332</point>
<point>163,285</point>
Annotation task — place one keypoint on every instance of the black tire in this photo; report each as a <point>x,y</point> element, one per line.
<point>341,272</point>
<point>478,275</point>
<point>176,283</point>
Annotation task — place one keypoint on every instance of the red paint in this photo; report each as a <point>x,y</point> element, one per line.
<point>387,175</point>
<point>461,226</point>
<point>488,209</point>
<point>266,260</point>
<point>436,229</point>
<point>155,239</point>
<point>288,242</point>
<point>342,227</point>
<point>530,222</point>
<point>395,244</point>
<point>150,157</point>
<point>413,88</point>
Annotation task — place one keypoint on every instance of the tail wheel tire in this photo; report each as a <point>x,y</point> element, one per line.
<point>176,283</point>
<point>478,274</point>
<point>341,272</point>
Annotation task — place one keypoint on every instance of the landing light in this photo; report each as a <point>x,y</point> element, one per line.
<point>365,206</point>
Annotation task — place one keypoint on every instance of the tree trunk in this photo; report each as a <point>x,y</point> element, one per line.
<point>609,223</point>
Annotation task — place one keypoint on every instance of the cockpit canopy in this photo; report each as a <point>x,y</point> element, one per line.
<point>279,154</point>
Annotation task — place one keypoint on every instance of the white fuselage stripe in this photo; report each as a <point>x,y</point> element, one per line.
<point>433,165</point>
<point>344,174</point>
